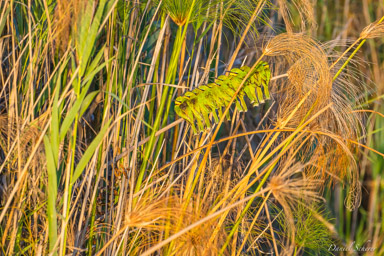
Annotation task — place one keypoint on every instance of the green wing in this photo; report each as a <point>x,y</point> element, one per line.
<point>197,105</point>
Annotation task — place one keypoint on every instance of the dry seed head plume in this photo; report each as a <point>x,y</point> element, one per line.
<point>66,16</point>
<point>348,93</point>
<point>333,159</point>
<point>306,63</point>
<point>305,9</point>
<point>373,30</point>
<point>195,241</point>
<point>353,198</point>
<point>149,217</point>
<point>237,14</point>
<point>9,131</point>
<point>150,212</point>
<point>216,178</point>
<point>290,186</point>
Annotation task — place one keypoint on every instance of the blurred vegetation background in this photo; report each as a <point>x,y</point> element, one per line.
<point>94,160</point>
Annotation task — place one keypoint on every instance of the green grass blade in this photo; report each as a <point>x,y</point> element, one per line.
<point>89,153</point>
<point>52,193</point>
<point>2,22</point>
<point>87,101</point>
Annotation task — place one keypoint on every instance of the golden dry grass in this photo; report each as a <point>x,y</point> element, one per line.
<point>94,160</point>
